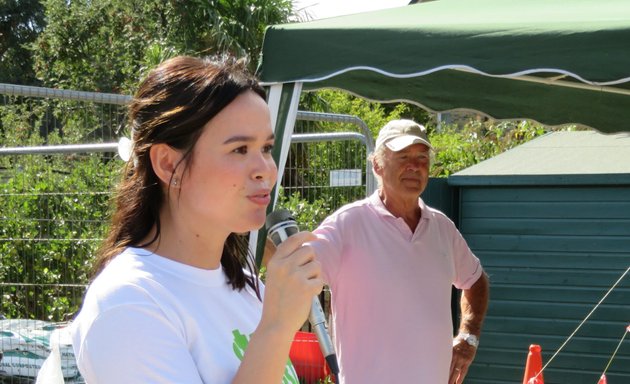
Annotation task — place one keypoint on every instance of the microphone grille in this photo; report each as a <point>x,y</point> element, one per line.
<point>278,216</point>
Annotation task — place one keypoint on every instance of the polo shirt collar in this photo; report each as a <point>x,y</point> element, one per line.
<point>379,207</point>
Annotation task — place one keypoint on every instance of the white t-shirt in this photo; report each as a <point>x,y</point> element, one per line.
<point>149,319</point>
<point>391,291</point>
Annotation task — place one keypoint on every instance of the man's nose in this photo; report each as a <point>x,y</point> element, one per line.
<point>413,165</point>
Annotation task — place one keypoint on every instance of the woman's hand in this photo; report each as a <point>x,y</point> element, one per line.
<point>293,279</point>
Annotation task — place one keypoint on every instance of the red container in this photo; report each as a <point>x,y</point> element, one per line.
<point>307,358</point>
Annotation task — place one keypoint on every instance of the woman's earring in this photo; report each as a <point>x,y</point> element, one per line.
<point>175,181</point>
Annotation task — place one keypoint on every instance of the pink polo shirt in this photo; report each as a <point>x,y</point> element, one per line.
<point>391,291</point>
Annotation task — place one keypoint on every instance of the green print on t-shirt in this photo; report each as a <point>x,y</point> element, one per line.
<point>240,345</point>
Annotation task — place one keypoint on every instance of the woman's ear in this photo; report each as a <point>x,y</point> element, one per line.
<point>164,160</point>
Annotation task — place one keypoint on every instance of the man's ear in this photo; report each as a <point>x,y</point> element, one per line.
<point>377,167</point>
<point>164,160</point>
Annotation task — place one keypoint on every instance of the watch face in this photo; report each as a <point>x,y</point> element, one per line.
<point>472,340</point>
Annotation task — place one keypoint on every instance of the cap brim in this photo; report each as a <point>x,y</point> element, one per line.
<point>401,142</point>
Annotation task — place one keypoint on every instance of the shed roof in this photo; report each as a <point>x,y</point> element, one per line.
<point>587,156</point>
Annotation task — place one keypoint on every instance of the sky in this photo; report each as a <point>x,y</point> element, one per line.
<point>319,9</point>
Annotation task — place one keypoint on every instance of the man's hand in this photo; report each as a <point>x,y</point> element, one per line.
<point>463,355</point>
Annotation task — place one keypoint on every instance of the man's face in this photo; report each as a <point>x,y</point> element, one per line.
<point>405,173</point>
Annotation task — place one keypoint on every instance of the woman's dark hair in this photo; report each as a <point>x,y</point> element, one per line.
<point>171,106</point>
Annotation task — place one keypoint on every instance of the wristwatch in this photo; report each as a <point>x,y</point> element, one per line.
<point>469,338</point>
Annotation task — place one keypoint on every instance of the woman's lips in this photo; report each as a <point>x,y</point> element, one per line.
<point>262,198</point>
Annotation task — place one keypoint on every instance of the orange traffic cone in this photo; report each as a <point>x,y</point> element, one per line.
<point>533,368</point>
<point>602,380</point>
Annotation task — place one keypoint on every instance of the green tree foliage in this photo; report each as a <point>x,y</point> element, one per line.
<point>55,213</point>
<point>308,213</point>
<point>234,26</point>
<point>54,207</point>
<point>106,45</point>
<point>460,146</point>
<point>20,23</point>
<point>373,114</point>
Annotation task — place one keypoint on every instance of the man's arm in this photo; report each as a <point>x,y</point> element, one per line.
<point>473,304</point>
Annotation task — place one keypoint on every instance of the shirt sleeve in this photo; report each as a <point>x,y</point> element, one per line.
<point>329,247</point>
<point>467,266</point>
<point>134,344</point>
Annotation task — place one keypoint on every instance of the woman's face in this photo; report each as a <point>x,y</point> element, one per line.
<point>228,183</point>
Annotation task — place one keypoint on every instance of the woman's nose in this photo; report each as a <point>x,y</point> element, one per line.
<point>265,168</point>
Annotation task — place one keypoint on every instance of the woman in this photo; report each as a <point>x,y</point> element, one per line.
<point>175,299</point>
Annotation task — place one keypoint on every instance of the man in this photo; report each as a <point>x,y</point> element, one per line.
<point>391,261</point>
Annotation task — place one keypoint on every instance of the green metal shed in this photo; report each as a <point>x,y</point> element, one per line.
<point>550,221</point>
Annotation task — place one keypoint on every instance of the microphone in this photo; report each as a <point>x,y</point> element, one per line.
<point>280,225</point>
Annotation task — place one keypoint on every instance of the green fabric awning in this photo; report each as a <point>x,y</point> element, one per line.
<point>553,61</point>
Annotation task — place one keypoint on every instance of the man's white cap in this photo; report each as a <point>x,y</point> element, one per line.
<point>399,134</point>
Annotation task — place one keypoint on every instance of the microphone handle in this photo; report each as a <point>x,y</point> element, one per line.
<point>317,319</point>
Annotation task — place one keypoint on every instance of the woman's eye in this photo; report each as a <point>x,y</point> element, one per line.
<point>242,150</point>
<point>268,148</point>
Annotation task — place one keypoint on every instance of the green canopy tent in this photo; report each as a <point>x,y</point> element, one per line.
<point>553,61</point>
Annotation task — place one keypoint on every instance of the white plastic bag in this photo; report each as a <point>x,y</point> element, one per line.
<point>50,372</point>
